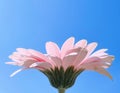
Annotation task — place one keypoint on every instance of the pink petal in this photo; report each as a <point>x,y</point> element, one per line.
<point>91,47</point>
<point>108,58</point>
<point>81,43</point>
<point>15,56</point>
<point>90,63</point>
<point>41,66</point>
<point>92,59</point>
<point>80,57</point>
<point>12,63</point>
<point>100,52</point>
<point>27,63</point>
<point>52,49</point>
<point>23,51</point>
<point>15,63</point>
<point>71,51</point>
<point>19,70</point>
<point>104,72</point>
<point>57,61</point>
<point>93,63</point>
<point>68,61</point>
<point>38,56</point>
<point>68,44</point>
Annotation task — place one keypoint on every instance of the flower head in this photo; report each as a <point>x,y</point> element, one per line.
<point>62,66</point>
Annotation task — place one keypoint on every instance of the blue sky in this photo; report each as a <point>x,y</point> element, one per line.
<point>31,23</point>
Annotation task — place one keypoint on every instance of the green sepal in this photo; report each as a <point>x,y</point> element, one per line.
<point>60,78</point>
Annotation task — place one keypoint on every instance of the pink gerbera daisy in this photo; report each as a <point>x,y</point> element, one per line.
<point>62,66</point>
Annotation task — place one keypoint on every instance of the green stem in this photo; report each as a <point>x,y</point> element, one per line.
<point>61,90</point>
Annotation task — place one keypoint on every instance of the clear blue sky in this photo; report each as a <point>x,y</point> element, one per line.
<point>31,23</point>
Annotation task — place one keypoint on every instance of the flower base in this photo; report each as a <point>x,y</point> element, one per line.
<point>61,90</point>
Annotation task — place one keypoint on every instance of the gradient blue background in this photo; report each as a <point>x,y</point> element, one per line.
<point>31,23</point>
